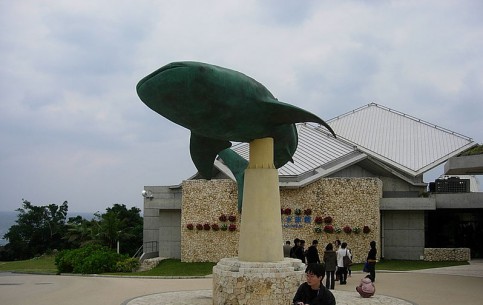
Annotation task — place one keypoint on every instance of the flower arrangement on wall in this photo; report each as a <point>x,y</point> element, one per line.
<point>214,226</point>
<point>347,229</point>
<point>329,229</point>
<point>286,211</point>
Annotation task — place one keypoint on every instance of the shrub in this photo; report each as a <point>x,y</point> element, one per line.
<point>222,218</point>
<point>190,226</point>
<point>127,265</point>
<point>206,226</point>
<point>215,227</point>
<point>87,260</point>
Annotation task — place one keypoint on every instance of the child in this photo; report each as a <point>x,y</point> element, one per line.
<point>366,288</point>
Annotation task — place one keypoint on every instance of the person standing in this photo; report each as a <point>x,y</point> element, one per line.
<point>337,247</point>
<point>313,253</point>
<point>296,243</point>
<point>341,269</point>
<point>300,251</point>
<point>371,261</point>
<point>286,249</point>
<point>330,261</point>
<point>349,270</point>
<point>313,291</point>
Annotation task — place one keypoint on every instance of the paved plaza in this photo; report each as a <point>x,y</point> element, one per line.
<point>451,285</point>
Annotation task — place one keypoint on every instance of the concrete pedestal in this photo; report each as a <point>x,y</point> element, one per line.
<point>253,283</point>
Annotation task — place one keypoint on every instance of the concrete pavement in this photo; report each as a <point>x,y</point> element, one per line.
<point>452,285</point>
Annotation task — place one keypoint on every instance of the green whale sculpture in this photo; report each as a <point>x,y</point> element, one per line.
<point>220,105</point>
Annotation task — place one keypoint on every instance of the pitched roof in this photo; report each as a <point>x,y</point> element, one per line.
<point>318,154</point>
<point>400,140</point>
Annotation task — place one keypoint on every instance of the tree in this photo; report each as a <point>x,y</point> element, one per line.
<point>37,229</point>
<point>81,231</point>
<point>123,225</point>
<point>118,224</point>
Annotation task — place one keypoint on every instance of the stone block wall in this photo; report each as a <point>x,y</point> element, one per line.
<point>447,254</point>
<point>352,202</point>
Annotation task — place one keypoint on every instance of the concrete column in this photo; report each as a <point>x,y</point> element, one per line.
<point>261,225</point>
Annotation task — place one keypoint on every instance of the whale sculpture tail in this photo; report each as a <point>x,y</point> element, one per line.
<point>237,165</point>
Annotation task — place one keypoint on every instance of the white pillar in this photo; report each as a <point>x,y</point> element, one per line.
<point>261,225</point>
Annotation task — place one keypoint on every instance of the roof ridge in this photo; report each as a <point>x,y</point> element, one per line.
<point>403,115</point>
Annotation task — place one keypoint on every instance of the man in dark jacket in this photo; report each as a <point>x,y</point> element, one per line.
<point>313,292</point>
<point>313,253</point>
<point>300,251</point>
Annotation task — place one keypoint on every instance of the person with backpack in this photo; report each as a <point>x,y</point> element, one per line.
<point>341,267</point>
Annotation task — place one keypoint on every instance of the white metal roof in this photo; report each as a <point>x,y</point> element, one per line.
<point>401,141</point>
<point>316,148</point>
<point>407,143</point>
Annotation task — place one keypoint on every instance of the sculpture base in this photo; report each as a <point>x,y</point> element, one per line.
<point>254,283</point>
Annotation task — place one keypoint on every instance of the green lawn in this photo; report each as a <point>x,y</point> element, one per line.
<point>43,264</point>
<point>403,265</point>
<point>174,267</point>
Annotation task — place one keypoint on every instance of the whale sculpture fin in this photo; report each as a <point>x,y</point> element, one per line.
<point>203,152</point>
<point>283,113</point>
<point>237,165</point>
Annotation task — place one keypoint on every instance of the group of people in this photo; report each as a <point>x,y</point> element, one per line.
<point>333,267</point>
<point>307,256</point>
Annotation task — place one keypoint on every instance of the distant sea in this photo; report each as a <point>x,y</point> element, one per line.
<point>7,219</point>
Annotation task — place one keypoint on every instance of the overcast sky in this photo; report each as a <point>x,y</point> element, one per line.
<point>72,127</point>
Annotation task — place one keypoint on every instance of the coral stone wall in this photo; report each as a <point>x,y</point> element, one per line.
<point>203,202</point>
<point>447,254</point>
<point>349,202</point>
